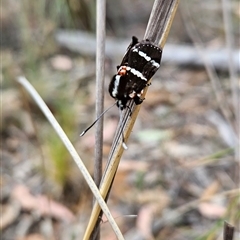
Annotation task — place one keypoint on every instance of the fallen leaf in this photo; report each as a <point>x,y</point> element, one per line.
<point>61,62</point>
<point>154,135</point>
<point>132,165</point>
<point>41,204</point>
<point>159,96</point>
<point>210,190</point>
<point>158,196</point>
<point>9,214</point>
<point>179,150</point>
<point>33,236</point>
<point>211,210</point>
<point>144,220</point>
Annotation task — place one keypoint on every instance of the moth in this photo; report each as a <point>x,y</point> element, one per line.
<point>139,64</point>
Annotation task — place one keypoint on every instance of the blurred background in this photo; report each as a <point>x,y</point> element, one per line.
<point>183,145</point>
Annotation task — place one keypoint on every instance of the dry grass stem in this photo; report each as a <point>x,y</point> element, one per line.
<point>228,231</point>
<point>100,75</point>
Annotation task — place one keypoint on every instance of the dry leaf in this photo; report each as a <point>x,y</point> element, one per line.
<point>179,150</point>
<point>159,96</point>
<point>210,190</point>
<point>41,204</point>
<point>157,195</point>
<point>33,236</point>
<point>9,214</point>
<point>212,210</point>
<point>144,220</point>
<point>62,63</point>
<point>131,165</point>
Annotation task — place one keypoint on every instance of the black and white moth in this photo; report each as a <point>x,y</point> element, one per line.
<point>139,64</point>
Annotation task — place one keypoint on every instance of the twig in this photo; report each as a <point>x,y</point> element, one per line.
<point>160,21</point>
<point>100,74</point>
<point>158,18</point>
<point>228,231</point>
<point>100,60</point>
<point>23,81</point>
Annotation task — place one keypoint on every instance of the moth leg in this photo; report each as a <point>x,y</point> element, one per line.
<point>138,100</point>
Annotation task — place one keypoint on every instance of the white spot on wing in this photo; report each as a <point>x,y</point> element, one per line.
<point>136,73</point>
<point>155,64</point>
<point>142,54</point>
<point>147,58</point>
<point>116,84</point>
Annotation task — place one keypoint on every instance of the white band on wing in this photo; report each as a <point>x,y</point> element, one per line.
<point>147,58</point>
<point>136,73</point>
<point>116,84</point>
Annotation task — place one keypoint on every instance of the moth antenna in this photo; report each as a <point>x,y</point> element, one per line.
<point>100,116</point>
<point>123,139</point>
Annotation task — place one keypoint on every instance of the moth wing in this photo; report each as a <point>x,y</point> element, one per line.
<point>145,57</point>
<point>126,55</point>
<point>151,67</point>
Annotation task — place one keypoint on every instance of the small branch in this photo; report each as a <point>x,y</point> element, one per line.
<point>41,104</point>
<point>228,231</point>
<point>100,62</point>
<point>100,75</point>
<point>160,21</point>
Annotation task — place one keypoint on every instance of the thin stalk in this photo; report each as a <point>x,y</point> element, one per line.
<point>100,62</point>
<point>228,231</point>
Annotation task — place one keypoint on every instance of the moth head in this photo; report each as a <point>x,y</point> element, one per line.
<point>122,70</point>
